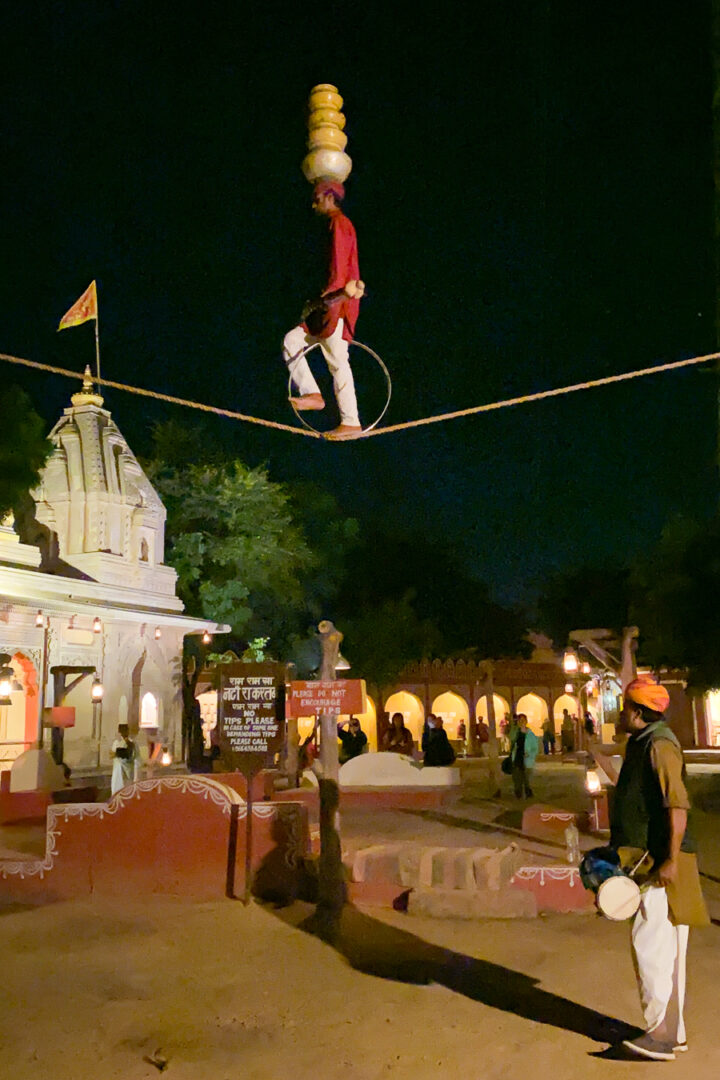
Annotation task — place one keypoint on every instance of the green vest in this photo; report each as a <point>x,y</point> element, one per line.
<point>639,817</point>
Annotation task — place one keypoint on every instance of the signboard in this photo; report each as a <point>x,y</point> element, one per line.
<point>251,720</point>
<point>60,716</point>
<point>339,696</point>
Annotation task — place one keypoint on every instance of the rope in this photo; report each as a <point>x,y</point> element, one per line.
<point>162,397</point>
<point>590,385</point>
<point>473,411</point>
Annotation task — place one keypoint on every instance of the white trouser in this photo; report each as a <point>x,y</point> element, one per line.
<point>337,354</point>
<point>659,952</point>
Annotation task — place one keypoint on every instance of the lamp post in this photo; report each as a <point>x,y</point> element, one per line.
<point>96,696</point>
<point>43,623</point>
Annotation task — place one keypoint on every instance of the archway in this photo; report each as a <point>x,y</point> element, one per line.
<point>536,710</point>
<point>412,709</point>
<point>149,711</point>
<point>453,709</point>
<point>368,723</point>
<point>500,705</point>
<point>306,725</point>
<point>565,701</point>
<point>19,720</point>
<point>713,716</point>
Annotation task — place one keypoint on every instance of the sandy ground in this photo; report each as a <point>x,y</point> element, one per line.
<point>219,991</point>
<point>224,992</point>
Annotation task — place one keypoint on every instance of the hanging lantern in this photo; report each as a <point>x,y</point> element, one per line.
<point>97,625</point>
<point>6,684</point>
<point>570,661</point>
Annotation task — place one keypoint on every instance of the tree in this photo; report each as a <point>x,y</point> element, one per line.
<point>267,558</point>
<point>432,579</point>
<point>583,597</point>
<point>239,555</point>
<point>383,638</point>
<point>331,536</point>
<point>24,449</point>
<point>676,599</point>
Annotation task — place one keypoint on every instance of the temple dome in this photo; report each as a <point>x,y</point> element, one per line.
<point>95,508</point>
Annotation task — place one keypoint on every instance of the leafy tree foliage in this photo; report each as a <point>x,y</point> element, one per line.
<point>672,593</point>
<point>430,579</point>
<point>676,599</point>
<point>589,596</point>
<point>238,553</point>
<point>383,639</point>
<point>23,448</point>
<point>263,557</point>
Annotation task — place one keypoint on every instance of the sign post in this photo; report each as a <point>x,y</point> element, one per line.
<point>251,721</point>
<point>319,697</point>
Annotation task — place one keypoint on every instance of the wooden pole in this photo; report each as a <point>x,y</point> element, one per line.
<point>332,891</point>
<point>493,754</point>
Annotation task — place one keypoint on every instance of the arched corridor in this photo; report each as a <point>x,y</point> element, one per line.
<point>500,705</point>
<point>453,709</point>
<point>536,710</point>
<point>412,709</point>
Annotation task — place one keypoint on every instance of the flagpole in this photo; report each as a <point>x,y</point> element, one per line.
<point>97,344</point>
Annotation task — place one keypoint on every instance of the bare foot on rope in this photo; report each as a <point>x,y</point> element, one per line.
<point>345,431</point>
<point>308,402</point>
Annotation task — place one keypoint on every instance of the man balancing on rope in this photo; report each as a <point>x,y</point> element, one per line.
<point>330,321</point>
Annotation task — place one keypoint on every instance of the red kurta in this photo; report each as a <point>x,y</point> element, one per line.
<point>343,268</point>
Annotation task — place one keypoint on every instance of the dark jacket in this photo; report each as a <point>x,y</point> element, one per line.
<point>436,745</point>
<point>639,817</point>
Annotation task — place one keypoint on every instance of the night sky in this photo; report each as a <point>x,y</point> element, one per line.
<point>532,191</point>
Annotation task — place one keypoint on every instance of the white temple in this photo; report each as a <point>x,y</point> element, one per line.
<point>83,583</point>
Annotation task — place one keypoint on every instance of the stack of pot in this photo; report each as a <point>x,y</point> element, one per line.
<point>327,140</point>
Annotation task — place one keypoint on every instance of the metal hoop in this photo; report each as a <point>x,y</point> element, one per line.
<point>366,348</point>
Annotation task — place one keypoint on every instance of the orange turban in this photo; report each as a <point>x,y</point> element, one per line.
<point>645,691</point>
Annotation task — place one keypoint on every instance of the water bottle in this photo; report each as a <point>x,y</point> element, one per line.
<point>572,844</point>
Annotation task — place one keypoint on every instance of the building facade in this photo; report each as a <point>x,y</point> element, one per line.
<point>83,584</point>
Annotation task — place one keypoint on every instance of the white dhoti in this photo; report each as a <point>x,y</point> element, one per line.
<point>337,355</point>
<point>659,953</point>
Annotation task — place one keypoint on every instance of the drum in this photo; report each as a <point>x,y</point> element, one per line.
<point>618,898</point>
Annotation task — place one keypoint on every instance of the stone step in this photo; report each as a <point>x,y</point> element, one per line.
<point>415,866</point>
<point>506,903</point>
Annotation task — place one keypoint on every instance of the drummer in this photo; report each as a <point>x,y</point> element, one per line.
<point>650,813</point>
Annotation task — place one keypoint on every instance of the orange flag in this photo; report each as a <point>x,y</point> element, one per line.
<point>82,310</point>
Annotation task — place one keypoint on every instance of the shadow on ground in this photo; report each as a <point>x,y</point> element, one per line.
<point>387,952</point>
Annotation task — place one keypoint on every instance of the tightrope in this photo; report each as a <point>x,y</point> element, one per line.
<point>557,392</point>
<point>474,410</point>
<point>162,397</point>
